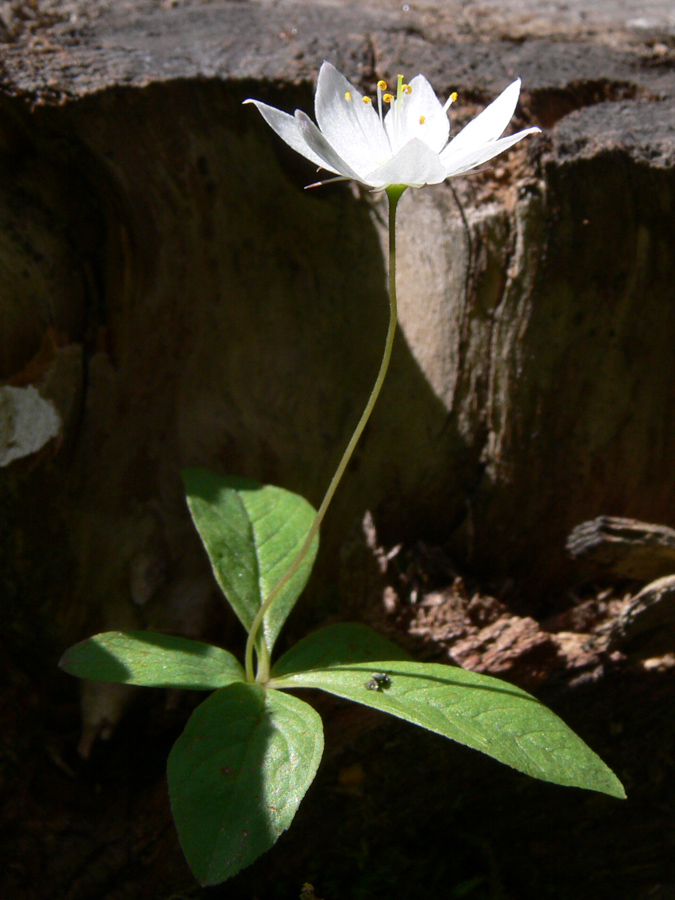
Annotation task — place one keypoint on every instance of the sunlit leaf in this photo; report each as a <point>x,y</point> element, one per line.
<point>252,534</point>
<point>152,660</point>
<point>485,713</point>
<point>237,775</point>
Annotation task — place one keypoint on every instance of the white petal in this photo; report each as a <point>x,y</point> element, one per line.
<point>318,144</point>
<point>352,127</point>
<point>490,124</point>
<point>287,128</point>
<point>456,163</point>
<point>420,115</point>
<point>414,165</point>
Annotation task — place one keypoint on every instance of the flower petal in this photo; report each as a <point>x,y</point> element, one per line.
<point>456,163</point>
<point>420,115</point>
<point>318,144</point>
<point>349,124</point>
<point>409,148</point>
<point>287,128</point>
<point>488,125</point>
<point>414,165</point>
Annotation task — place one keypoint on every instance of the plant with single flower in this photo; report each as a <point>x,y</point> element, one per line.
<point>405,147</point>
<point>250,751</point>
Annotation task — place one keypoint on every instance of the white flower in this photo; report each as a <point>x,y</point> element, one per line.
<point>408,146</point>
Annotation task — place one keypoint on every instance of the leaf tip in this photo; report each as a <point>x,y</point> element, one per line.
<point>68,661</point>
<point>617,790</point>
<point>606,782</point>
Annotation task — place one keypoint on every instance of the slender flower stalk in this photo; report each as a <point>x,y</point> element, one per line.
<point>394,193</point>
<point>405,147</point>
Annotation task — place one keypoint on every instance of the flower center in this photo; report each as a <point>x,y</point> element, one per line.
<point>395,136</point>
<point>383,96</point>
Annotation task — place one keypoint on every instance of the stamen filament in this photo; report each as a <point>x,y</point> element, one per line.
<point>451,99</point>
<point>397,112</point>
<point>381,86</point>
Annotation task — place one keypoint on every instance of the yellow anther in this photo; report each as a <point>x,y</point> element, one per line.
<point>422,120</point>
<point>382,85</point>
<point>348,95</point>
<point>388,98</point>
<point>366,99</point>
<point>406,89</point>
<point>453,96</point>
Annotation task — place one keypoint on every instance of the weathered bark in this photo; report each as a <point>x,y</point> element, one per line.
<point>168,284</point>
<point>623,548</point>
<point>230,319</point>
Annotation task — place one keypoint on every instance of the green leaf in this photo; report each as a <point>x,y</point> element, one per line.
<point>346,642</point>
<point>237,775</point>
<point>485,713</point>
<point>252,534</point>
<point>152,660</point>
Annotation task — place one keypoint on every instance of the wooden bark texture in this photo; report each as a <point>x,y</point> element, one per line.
<point>623,548</point>
<point>154,230</point>
<point>231,320</point>
<point>170,287</point>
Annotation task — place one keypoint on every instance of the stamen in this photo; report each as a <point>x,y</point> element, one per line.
<point>386,98</point>
<point>348,95</point>
<point>422,120</point>
<point>451,99</point>
<point>381,86</point>
<point>400,86</point>
<point>406,89</point>
<point>366,99</point>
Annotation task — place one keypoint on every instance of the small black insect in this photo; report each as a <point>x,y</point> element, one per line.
<point>378,682</point>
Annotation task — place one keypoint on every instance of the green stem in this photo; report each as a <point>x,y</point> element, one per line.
<point>394,193</point>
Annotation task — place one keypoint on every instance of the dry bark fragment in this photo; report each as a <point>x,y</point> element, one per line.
<point>623,548</point>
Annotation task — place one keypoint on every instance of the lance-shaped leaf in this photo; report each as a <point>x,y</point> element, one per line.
<point>345,642</point>
<point>237,775</point>
<point>485,713</point>
<point>252,534</point>
<point>152,660</point>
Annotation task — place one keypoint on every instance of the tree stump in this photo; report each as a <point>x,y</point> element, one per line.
<point>170,287</point>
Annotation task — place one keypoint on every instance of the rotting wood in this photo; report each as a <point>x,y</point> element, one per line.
<point>517,404</point>
<point>645,624</point>
<point>623,548</point>
<point>533,389</point>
